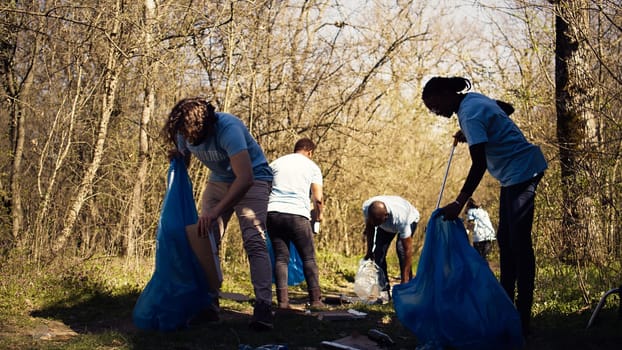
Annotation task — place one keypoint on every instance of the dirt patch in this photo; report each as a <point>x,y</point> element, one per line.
<point>39,329</point>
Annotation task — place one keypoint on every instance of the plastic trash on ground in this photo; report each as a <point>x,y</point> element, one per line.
<point>455,300</point>
<point>369,281</point>
<point>178,288</point>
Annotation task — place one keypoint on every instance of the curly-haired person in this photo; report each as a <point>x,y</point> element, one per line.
<point>240,181</point>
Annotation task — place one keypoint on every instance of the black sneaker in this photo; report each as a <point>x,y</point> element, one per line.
<point>262,317</point>
<point>208,316</point>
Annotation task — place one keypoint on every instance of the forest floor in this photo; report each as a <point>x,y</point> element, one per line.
<point>70,311</point>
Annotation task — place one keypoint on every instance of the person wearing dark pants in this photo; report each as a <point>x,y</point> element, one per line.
<point>517,259</point>
<point>296,188</point>
<point>283,229</point>
<point>496,144</point>
<point>478,222</point>
<point>383,242</point>
<point>385,218</point>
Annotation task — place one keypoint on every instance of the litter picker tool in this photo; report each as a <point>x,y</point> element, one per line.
<point>451,155</point>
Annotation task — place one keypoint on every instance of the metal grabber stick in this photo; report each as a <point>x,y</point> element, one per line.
<point>451,155</point>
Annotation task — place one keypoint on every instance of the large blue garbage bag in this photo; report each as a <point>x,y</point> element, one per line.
<point>178,288</point>
<point>455,300</point>
<point>295,272</point>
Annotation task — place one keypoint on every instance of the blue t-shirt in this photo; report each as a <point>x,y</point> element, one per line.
<point>231,137</point>
<point>401,214</point>
<point>510,158</point>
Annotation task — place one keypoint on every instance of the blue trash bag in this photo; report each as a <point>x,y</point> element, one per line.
<point>295,272</point>
<point>455,300</point>
<point>178,288</point>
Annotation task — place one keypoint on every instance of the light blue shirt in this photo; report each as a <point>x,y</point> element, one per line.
<point>510,158</point>
<point>401,214</point>
<point>231,137</point>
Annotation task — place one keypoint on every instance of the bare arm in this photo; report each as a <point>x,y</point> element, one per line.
<point>316,199</point>
<point>369,237</point>
<point>408,250</point>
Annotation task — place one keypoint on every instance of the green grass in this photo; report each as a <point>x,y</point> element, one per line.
<point>93,301</point>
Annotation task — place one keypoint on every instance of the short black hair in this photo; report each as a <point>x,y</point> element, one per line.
<point>445,85</point>
<point>304,144</point>
<point>471,203</point>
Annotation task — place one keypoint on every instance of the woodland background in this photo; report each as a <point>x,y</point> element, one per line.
<point>86,86</point>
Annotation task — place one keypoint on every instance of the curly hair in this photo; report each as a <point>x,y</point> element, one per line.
<point>193,117</point>
<point>445,85</point>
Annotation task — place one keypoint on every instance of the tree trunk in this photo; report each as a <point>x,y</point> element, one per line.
<point>136,208</point>
<point>17,91</point>
<point>573,101</point>
<point>107,104</point>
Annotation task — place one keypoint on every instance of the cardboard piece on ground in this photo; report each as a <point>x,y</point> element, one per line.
<point>234,296</point>
<point>204,249</point>
<point>338,315</point>
<point>352,342</point>
<point>340,299</point>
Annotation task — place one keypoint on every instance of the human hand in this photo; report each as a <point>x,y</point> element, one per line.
<point>451,211</point>
<point>205,224</point>
<point>459,137</point>
<point>174,153</point>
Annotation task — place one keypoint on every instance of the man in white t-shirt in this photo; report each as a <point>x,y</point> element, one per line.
<point>483,233</point>
<point>289,217</point>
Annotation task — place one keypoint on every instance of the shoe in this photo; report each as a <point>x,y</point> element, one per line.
<point>317,305</point>
<point>262,317</point>
<point>207,316</point>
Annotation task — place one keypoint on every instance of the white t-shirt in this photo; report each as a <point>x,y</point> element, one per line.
<point>291,186</point>
<point>401,214</point>
<point>482,230</point>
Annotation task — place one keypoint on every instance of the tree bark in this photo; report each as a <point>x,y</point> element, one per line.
<point>573,102</point>
<point>108,99</point>
<point>149,67</point>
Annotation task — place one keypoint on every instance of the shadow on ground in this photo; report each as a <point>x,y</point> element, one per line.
<point>106,320</point>
<point>101,320</point>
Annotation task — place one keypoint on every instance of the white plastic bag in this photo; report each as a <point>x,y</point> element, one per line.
<point>369,281</point>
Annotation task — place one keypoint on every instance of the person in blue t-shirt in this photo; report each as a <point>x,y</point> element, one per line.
<point>497,144</point>
<point>240,181</point>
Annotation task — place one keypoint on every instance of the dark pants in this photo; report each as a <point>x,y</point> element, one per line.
<point>285,228</point>
<point>383,241</point>
<point>517,260</point>
<point>483,248</point>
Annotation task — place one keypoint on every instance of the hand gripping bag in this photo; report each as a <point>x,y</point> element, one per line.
<point>295,271</point>
<point>178,288</point>
<point>455,300</point>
